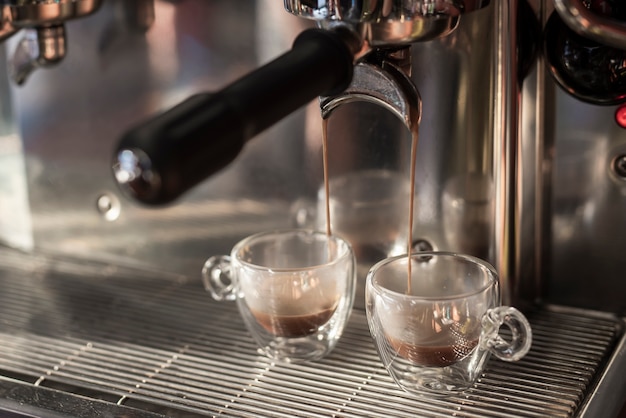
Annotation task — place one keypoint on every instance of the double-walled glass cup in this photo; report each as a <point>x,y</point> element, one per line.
<point>436,322</point>
<point>294,290</point>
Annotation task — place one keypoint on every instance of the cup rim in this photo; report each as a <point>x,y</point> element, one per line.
<point>491,273</point>
<point>287,231</point>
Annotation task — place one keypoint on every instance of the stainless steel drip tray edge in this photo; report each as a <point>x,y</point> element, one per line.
<point>23,400</point>
<point>163,348</point>
<point>609,394</point>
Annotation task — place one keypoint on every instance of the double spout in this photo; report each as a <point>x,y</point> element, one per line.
<point>384,80</point>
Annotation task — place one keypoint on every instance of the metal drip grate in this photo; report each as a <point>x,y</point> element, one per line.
<point>162,345</point>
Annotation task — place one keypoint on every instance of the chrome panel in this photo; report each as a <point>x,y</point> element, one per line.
<point>132,284</point>
<point>581,20</point>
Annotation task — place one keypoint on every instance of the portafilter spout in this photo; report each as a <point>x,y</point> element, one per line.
<point>382,79</point>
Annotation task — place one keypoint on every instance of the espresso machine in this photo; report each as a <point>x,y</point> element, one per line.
<point>141,137</point>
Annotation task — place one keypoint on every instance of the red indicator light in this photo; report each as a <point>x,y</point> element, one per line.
<point>620,116</point>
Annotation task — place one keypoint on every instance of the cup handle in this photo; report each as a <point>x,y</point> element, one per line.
<point>217,278</point>
<point>521,333</point>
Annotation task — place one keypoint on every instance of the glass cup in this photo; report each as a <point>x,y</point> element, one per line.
<point>294,290</point>
<point>436,325</point>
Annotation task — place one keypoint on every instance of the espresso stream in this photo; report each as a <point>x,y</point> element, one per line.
<point>440,355</point>
<point>409,244</point>
<point>449,345</point>
<point>414,142</point>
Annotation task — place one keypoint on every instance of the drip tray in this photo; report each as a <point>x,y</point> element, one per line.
<point>155,345</point>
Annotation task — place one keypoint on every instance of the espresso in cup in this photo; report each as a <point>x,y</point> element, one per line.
<point>291,326</point>
<point>296,313</point>
<point>449,344</point>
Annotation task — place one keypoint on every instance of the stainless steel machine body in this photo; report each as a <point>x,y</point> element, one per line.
<point>520,173</point>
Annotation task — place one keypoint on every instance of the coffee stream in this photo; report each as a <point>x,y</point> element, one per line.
<point>453,344</point>
<point>326,181</point>
<point>414,142</point>
<point>409,244</point>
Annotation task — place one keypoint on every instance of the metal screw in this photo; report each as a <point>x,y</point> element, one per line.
<point>109,206</point>
<point>619,166</point>
<point>422,245</point>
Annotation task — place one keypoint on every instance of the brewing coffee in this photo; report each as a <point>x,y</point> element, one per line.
<point>409,244</point>
<point>372,208</point>
<point>443,349</point>
<point>293,326</point>
<point>433,356</point>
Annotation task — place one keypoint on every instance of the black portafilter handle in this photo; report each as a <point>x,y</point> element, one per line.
<point>159,160</point>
